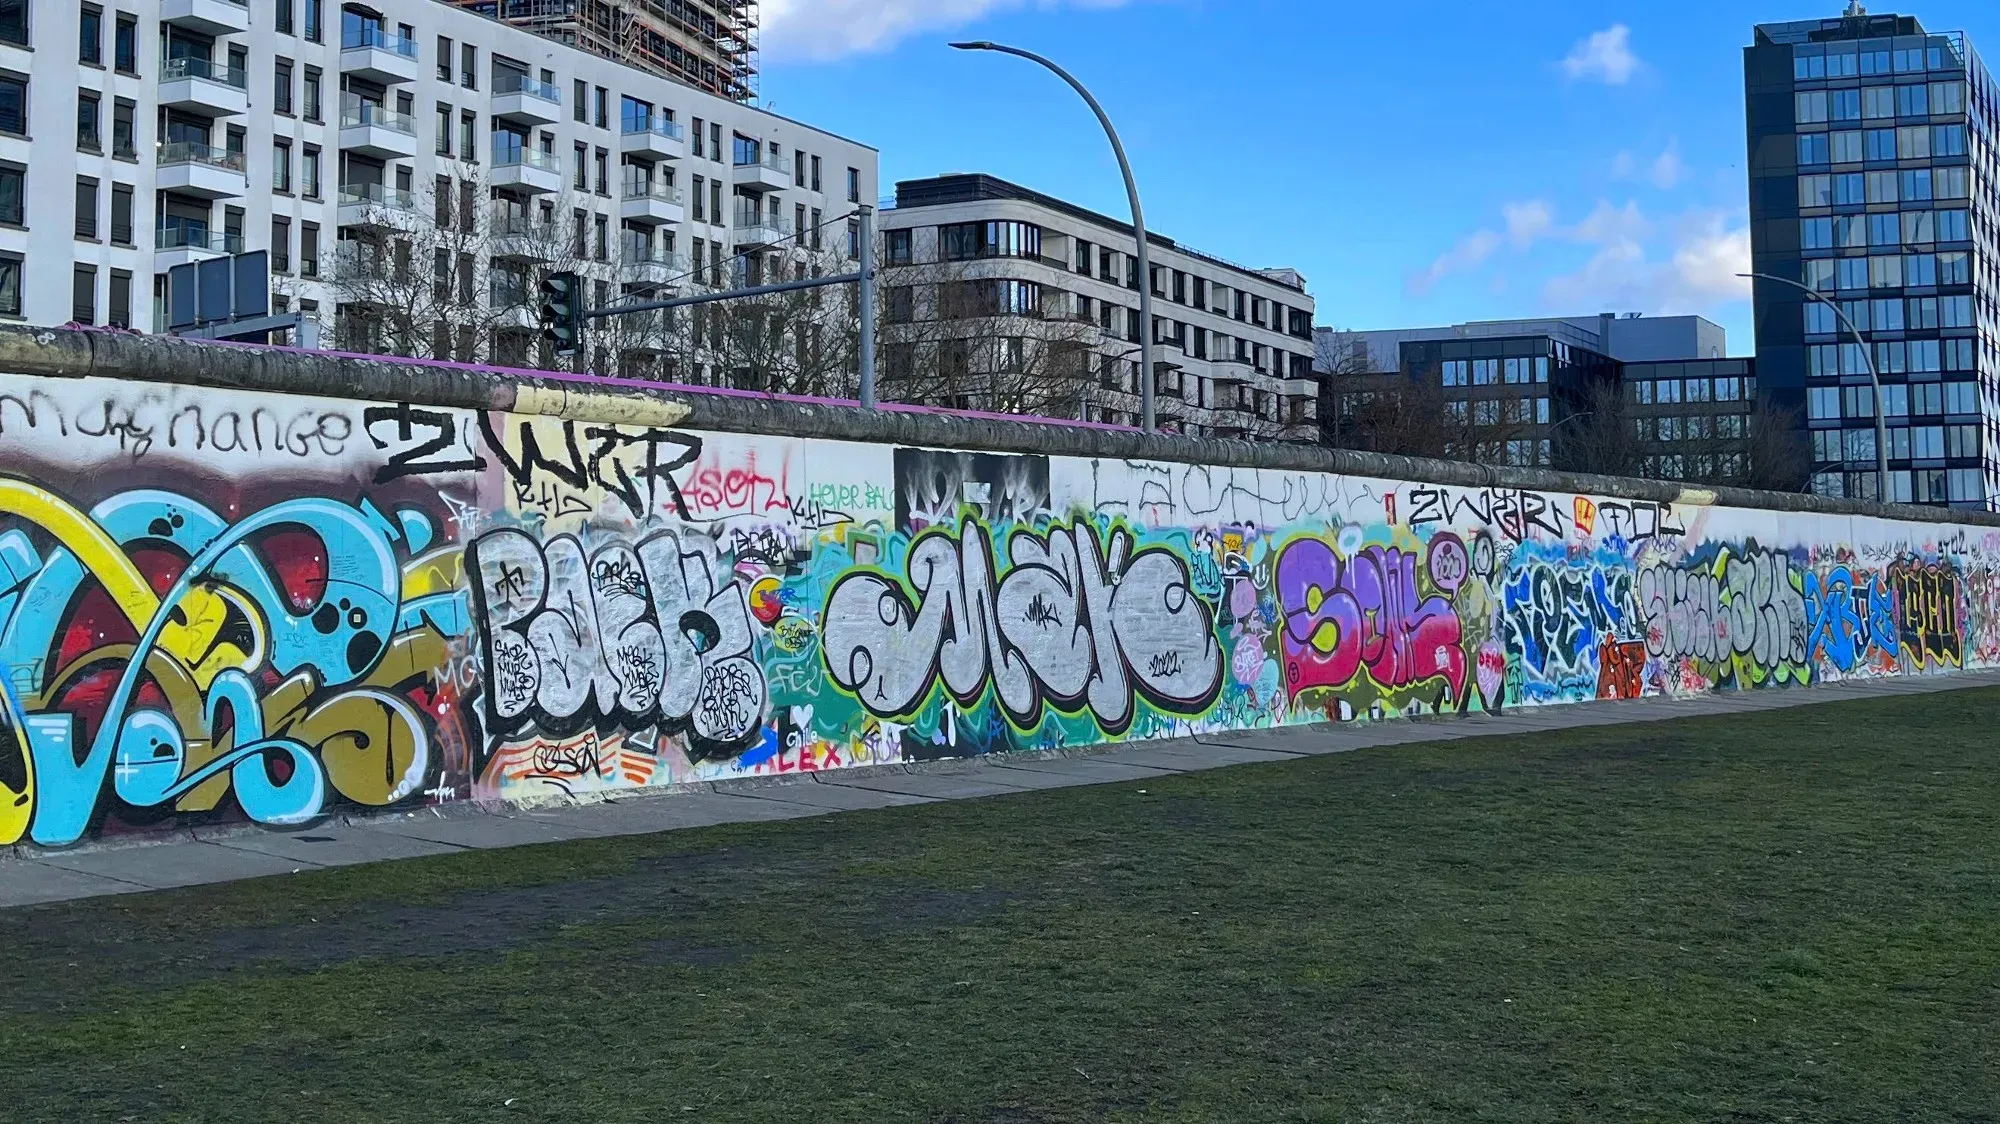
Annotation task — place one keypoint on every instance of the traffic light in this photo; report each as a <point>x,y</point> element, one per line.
<point>562,312</point>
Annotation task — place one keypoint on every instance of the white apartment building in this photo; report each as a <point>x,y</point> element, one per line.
<point>1235,345</point>
<point>139,134</point>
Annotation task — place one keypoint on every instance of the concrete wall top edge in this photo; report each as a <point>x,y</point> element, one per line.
<point>70,353</point>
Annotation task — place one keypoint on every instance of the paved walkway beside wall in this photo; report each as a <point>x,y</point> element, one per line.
<point>225,854</point>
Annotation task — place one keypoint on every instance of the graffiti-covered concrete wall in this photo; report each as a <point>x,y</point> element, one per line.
<point>234,605</point>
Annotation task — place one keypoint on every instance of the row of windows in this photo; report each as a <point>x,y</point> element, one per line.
<point>1697,427</point>
<point>1856,188</point>
<point>1891,357</point>
<point>1911,142</point>
<point>1695,466</point>
<point>1924,485</point>
<point>1813,107</point>
<point>1828,275</point>
<point>1498,411</point>
<point>1899,400</point>
<point>1729,388</point>
<point>1906,228</point>
<point>1919,443</point>
<point>1869,57</point>
<point>83,293</point>
<point>1893,314</point>
<point>1493,372</point>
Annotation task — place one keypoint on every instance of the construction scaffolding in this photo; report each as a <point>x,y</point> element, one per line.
<point>708,44</point>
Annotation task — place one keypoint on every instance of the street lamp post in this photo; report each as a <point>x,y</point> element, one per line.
<point>1148,421</point>
<point>1881,424</point>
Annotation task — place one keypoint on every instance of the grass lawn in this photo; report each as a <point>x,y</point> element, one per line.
<point>1788,916</point>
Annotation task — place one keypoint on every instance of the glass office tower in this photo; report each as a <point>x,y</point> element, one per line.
<point>1871,182</point>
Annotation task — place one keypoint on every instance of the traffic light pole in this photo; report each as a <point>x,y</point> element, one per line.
<point>864,277</point>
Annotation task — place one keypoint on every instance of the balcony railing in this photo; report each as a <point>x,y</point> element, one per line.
<point>639,257</point>
<point>205,70</point>
<point>377,195</point>
<point>505,292</point>
<point>529,157</point>
<point>521,226</point>
<point>522,84</point>
<point>772,160</point>
<point>195,152</point>
<point>357,113</point>
<point>747,218</point>
<point>657,189</point>
<point>657,126</point>
<point>379,39</point>
<point>197,238</point>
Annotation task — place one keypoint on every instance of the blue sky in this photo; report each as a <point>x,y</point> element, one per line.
<point>1422,162</point>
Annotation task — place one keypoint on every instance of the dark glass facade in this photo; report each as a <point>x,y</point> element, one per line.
<point>1871,184</point>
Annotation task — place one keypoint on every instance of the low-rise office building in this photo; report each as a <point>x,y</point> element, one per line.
<point>1001,297</point>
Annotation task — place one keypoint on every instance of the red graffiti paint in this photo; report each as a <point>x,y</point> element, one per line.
<point>1621,669</point>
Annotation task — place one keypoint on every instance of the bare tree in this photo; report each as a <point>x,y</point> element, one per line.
<point>451,272</point>
<point>1342,361</point>
<point>1600,437</point>
<point>992,343</point>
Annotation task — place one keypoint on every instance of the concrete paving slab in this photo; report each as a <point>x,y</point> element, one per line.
<point>1195,757</point>
<point>335,845</point>
<point>673,813</point>
<point>940,786</point>
<point>492,831</point>
<point>163,866</point>
<point>833,797</point>
<point>32,881</point>
<point>1094,770</point>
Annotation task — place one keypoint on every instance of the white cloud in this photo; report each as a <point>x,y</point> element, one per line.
<point>1623,165</point>
<point>1668,170</point>
<point>1471,252</point>
<point>826,29</point>
<point>1697,273</point>
<point>1607,224</point>
<point>1606,56</point>
<point>1527,221</point>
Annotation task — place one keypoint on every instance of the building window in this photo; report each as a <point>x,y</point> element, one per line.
<point>13,105</point>
<point>854,185</point>
<point>601,163</point>
<point>121,299</point>
<point>1809,107</point>
<point>124,144</point>
<point>897,247</point>
<point>1812,148</point>
<point>601,111</point>
<point>308,250</point>
<point>83,294</point>
<point>281,86</point>
<point>314,31</point>
<point>86,207</point>
<point>468,66</point>
<point>468,136</point>
<point>282,16</point>
<point>313,106</point>
<point>13,195</point>
<point>309,172</point>
<point>281,244</point>
<point>121,214</point>
<point>579,108</point>
<point>90,37</point>
<point>125,45</point>
<point>1846,148</point>
<point>281,166</point>
<point>89,112</point>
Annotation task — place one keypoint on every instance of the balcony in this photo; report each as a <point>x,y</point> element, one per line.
<point>1229,370</point>
<point>204,88</point>
<point>517,238</point>
<point>527,169</point>
<point>367,129</point>
<point>757,230</point>
<point>513,305</point>
<point>524,101</point>
<point>652,203</point>
<point>652,139</point>
<point>193,168</point>
<point>374,206</point>
<point>771,173</point>
<point>655,268</point>
<point>379,55</point>
<point>179,245</point>
<point>208,17</point>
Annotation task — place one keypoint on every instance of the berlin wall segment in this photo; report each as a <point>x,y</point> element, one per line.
<point>240,605</point>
